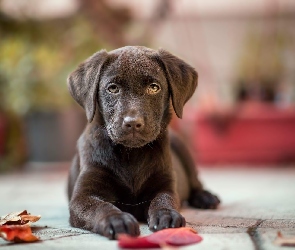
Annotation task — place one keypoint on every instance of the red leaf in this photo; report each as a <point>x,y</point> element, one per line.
<point>126,241</point>
<point>176,236</point>
<point>171,236</point>
<point>17,233</point>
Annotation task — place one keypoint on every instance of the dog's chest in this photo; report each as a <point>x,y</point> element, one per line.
<point>134,172</point>
<point>132,167</point>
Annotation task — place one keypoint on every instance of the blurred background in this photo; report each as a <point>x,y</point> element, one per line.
<point>242,112</point>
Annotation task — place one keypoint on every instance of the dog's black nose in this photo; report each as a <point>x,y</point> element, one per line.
<point>133,123</point>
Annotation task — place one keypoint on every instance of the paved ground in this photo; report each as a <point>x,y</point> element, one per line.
<point>256,204</point>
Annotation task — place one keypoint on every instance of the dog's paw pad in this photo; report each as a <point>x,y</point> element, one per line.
<point>203,199</point>
<point>118,223</point>
<point>165,218</point>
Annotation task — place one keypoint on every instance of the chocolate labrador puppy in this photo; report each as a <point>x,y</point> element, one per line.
<point>129,167</point>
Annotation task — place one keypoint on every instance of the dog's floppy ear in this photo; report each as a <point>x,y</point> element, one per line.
<point>83,82</point>
<point>182,80</point>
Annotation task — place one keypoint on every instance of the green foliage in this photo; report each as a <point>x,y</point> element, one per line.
<point>35,59</point>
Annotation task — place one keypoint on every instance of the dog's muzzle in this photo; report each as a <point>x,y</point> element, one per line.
<point>132,132</point>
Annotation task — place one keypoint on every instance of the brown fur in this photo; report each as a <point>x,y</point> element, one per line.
<point>123,171</point>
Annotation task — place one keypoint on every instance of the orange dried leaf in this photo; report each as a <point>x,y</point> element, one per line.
<point>18,218</point>
<point>17,233</point>
<point>30,218</point>
<point>167,237</point>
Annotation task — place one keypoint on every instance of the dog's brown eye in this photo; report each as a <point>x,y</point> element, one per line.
<point>114,89</point>
<point>153,89</point>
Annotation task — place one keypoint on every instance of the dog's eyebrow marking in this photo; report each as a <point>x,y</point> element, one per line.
<point>151,79</point>
<point>114,79</point>
<point>122,81</point>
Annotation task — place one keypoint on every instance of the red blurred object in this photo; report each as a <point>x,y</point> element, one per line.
<point>171,236</point>
<point>253,133</point>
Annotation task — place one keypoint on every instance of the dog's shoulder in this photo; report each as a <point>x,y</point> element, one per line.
<point>94,146</point>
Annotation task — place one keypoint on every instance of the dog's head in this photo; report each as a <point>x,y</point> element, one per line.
<point>132,87</point>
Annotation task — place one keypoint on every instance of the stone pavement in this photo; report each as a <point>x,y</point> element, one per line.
<point>256,204</point>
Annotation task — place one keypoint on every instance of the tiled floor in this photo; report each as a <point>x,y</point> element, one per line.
<point>257,202</point>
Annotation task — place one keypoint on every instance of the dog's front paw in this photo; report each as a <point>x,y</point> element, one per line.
<point>165,218</point>
<point>117,223</point>
<point>203,199</point>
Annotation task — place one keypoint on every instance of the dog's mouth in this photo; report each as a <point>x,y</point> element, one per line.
<point>132,140</point>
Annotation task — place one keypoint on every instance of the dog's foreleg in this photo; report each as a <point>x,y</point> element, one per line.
<point>90,209</point>
<point>163,212</point>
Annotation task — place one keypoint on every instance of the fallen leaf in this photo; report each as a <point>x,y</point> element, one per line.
<point>17,233</point>
<point>283,241</point>
<point>126,241</point>
<point>176,236</point>
<point>19,218</point>
<point>166,237</point>
<point>30,218</point>
<point>15,227</point>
